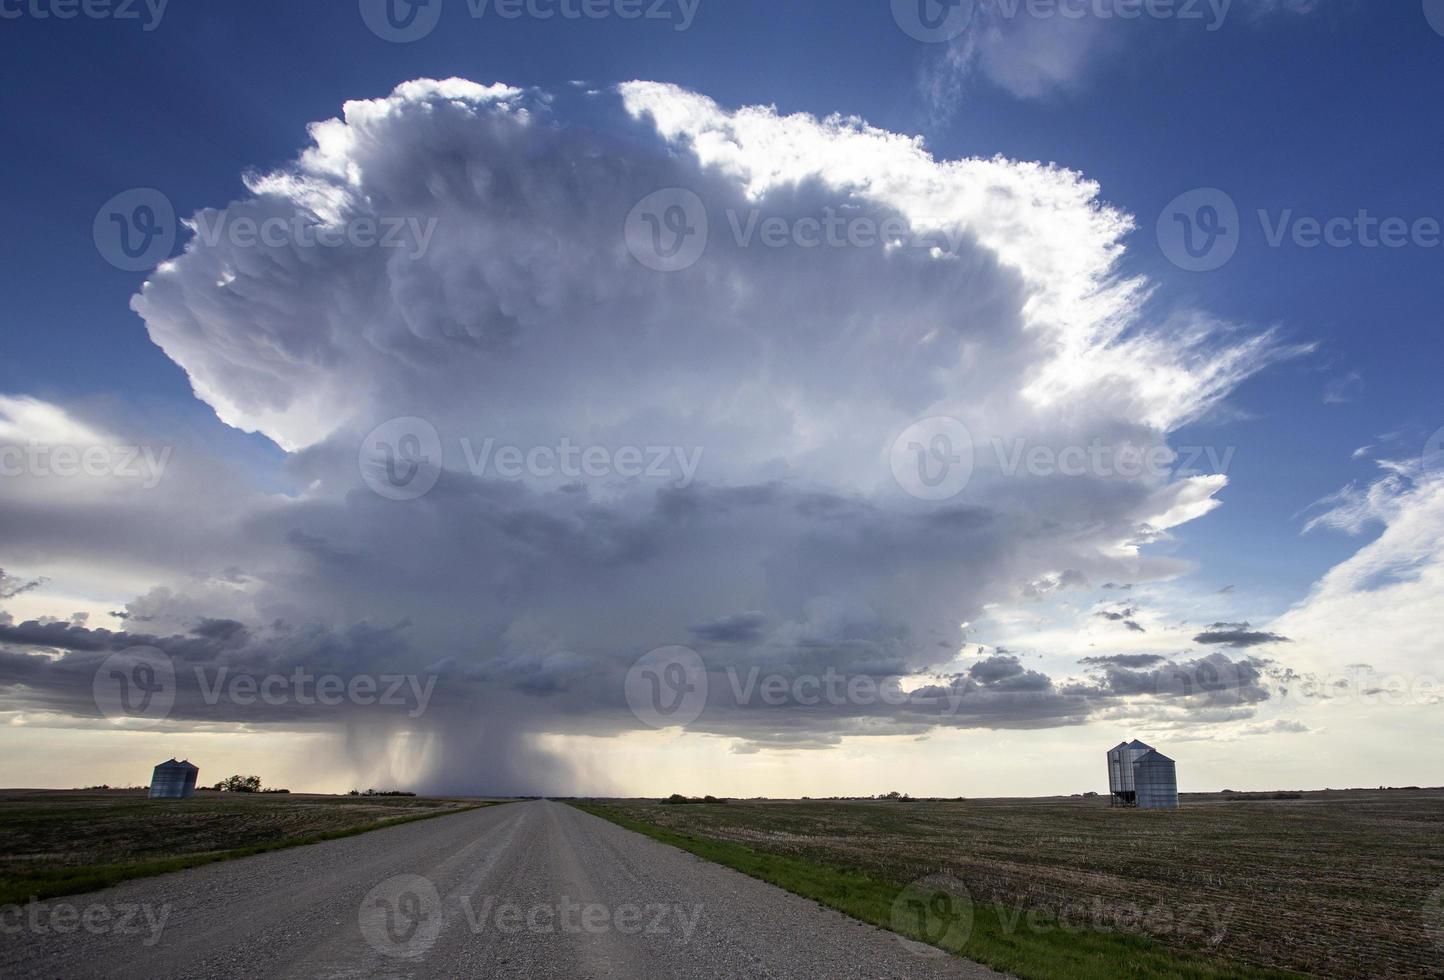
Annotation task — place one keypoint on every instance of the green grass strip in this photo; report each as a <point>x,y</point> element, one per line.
<point>998,938</point>
<point>58,882</point>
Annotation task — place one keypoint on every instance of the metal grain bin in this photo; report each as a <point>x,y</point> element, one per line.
<point>173,780</point>
<point>1155,779</point>
<point>1120,770</point>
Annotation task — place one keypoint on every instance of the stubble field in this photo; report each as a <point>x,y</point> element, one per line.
<point>1327,884</point>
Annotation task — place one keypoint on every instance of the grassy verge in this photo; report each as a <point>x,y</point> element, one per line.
<point>58,882</point>
<point>1036,950</point>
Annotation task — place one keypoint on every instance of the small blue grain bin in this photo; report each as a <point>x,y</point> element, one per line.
<point>173,780</point>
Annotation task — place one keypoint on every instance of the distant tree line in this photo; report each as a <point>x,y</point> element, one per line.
<point>243,784</point>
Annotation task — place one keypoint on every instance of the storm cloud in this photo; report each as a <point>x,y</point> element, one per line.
<point>527,321</point>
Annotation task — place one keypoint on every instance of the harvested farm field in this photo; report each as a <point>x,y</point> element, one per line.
<point>1329,884</point>
<point>57,842</point>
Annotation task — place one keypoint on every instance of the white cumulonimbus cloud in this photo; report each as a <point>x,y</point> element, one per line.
<point>513,312</point>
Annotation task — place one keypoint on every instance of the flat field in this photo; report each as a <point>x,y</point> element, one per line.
<point>55,842</point>
<point>1336,884</point>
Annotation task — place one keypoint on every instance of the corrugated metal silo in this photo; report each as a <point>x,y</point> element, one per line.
<point>173,780</point>
<point>1156,781</point>
<point>1120,770</point>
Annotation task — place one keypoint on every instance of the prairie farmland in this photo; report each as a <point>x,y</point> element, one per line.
<point>58,842</point>
<point>1330,884</point>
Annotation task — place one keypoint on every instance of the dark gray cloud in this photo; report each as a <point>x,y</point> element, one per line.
<point>737,628</point>
<point>1237,635</point>
<point>1205,682</point>
<point>1125,617</point>
<point>10,586</point>
<point>1126,659</point>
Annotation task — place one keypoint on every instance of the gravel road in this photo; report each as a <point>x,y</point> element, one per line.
<point>537,890</point>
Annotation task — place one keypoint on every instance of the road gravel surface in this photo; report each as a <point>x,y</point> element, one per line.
<point>536,889</point>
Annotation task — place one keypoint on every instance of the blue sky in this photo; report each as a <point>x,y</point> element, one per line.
<point>1322,108</point>
<point>1325,113</point>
